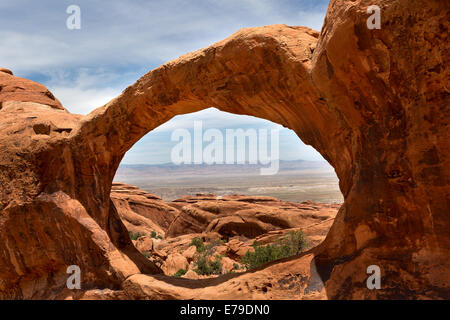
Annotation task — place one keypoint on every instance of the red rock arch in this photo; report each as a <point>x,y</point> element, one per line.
<point>344,94</point>
<point>374,103</point>
<point>263,72</point>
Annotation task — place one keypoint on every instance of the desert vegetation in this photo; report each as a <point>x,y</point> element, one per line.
<point>207,263</point>
<point>135,235</point>
<point>291,244</point>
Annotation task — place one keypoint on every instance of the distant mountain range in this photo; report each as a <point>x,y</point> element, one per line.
<point>171,170</point>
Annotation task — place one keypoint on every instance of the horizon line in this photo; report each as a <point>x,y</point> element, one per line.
<point>191,164</point>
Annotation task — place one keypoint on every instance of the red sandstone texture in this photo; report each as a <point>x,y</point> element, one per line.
<point>142,212</point>
<point>374,103</point>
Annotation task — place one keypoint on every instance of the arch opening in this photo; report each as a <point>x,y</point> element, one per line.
<point>199,190</point>
<point>270,78</point>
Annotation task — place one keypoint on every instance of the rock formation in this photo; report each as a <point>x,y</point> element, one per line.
<point>247,216</point>
<point>142,212</point>
<point>374,103</point>
<point>231,224</point>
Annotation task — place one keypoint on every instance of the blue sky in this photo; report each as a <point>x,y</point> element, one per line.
<point>119,41</point>
<point>156,146</point>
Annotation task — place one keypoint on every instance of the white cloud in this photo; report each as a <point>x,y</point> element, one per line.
<point>23,52</point>
<point>132,32</point>
<point>82,101</point>
<point>84,91</point>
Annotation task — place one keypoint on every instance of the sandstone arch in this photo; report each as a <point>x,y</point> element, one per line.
<point>356,95</point>
<point>264,72</point>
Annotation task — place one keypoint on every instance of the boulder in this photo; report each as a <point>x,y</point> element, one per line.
<point>190,253</point>
<point>173,263</point>
<point>6,71</point>
<point>144,244</point>
<point>239,248</point>
<point>191,274</point>
<point>229,265</point>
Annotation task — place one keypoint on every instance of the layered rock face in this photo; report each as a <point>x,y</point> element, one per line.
<point>142,212</point>
<point>247,216</point>
<point>44,227</point>
<point>374,103</point>
<point>389,88</point>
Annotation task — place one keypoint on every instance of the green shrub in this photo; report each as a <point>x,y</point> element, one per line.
<point>198,243</point>
<point>203,262</point>
<point>206,266</point>
<point>155,235</point>
<point>135,236</point>
<point>296,241</point>
<point>215,266</point>
<point>286,246</point>
<point>180,273</point>
<point>146,254</point>
<point>262,255</point>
